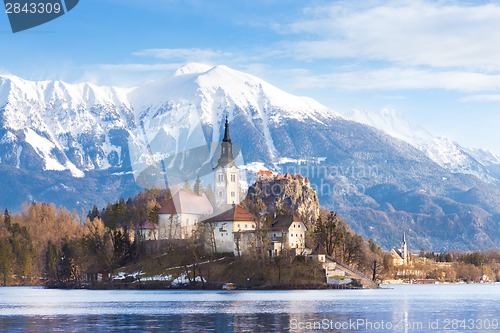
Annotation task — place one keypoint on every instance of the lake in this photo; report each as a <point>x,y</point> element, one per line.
<point>398,308</point>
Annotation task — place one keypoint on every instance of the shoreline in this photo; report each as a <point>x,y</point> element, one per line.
<point>194,286</point>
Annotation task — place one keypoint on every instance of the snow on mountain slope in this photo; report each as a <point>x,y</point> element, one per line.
<point>80,127</point>
<point>59,121</point>
<point>484,156</point>
<point>185,109</point>
<point>222,89</point>
<point>226,87</point>
<point>441,150</point>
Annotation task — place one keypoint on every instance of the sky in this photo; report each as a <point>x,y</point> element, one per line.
<point>435,62</point>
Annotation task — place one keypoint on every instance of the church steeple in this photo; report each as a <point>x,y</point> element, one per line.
<point>226,153</point>
<point>404,250</point>
<point>197,186</point>
<point>226,174</point>
<point>227,137</point>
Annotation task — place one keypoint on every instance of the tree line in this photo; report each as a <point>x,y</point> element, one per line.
<point>45,243</point>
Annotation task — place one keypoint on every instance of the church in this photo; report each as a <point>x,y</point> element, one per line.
<point>401,256</point>
<point>226,175</point>
<point>232,228</point>
<point>179,217</point>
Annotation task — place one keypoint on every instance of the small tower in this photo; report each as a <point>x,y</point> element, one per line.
<point>197,186</point>
<point>404,250</point>
<point>226,174</point>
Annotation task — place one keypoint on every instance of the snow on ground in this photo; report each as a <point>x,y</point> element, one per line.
<point>163,277</point>
<point>184,280</point>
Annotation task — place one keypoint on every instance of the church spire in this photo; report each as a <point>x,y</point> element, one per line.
<point>226,174</point>
<point>404,250</point>
<point>226,152</point>
<point>227,137</point>
<point>197,186</point>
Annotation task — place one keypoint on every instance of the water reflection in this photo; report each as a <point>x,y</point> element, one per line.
<point>402,309</point>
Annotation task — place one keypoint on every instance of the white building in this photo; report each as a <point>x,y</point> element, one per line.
<point>232,231</point>
<point>146,230</point>
<point>287,232</point>
<point>401,256</point>
<point>179,217</point>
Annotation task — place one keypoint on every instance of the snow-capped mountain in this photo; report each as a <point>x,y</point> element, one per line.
<point>80,145</point>
<point>445,152</point>
<point>59,126</point>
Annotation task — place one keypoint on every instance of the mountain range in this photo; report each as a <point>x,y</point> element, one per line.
<point>79,144</point>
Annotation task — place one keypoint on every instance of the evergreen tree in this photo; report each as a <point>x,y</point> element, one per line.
<point>7,219</point>
<point>51,261</point>
<point>93,213</point>
<point>6,260</point>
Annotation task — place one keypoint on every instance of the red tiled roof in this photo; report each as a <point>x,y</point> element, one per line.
<point>236,213</point>
<point>265,172</point>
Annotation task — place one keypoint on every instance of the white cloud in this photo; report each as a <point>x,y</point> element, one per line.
<point>437,34</point>
<point>129,74</point>
<point>137,67</point>
<point>482,98</point>
<point>186,54</point>
<point>395,78</point>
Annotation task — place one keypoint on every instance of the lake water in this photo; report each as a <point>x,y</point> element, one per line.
<point>400,308</point>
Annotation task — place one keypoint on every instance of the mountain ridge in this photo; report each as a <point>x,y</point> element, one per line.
<point>382,185</point>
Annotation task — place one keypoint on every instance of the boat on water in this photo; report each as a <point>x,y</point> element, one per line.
<point>229,286</point>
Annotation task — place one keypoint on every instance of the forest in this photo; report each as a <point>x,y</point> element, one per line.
<point>44,243</point>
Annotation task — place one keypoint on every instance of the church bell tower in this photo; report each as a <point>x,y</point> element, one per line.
<point>226,174</point>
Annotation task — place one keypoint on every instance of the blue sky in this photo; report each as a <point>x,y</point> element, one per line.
<point>435,62</point>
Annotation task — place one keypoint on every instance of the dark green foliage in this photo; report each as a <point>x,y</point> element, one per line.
<point>51,261</point>
<point>22,248</point>
<point>143,206</point>
<point>94,213</point>
<point>330,233</point>
<point>67,270</point>
<point>6,260</point>
<point>7,218</point>
<point>122,247</point>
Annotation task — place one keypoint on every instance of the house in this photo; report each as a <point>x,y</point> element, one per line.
<point>318,254</point>
<point>232,231</point>
<point>265,175</point>
<point>287,232</point>
<point>147,230</point>
<point>179,217</point>
<point>401,256</point>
